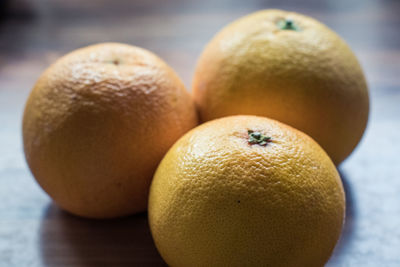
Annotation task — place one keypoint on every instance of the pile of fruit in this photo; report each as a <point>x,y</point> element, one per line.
<point>110,130</point>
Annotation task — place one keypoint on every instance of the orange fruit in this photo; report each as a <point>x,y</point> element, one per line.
<point>98,122</point>
<point>246,191</point>
<point>288,67</point>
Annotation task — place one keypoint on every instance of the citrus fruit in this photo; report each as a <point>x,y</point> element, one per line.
<point>288,67</point>
<point>98,122</point>
<point>246,191</point>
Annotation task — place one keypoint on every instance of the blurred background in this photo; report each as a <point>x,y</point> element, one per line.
<point>34,33</point>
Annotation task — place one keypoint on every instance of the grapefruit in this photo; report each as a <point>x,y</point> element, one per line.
<point>246,191</point>
<point>97,123</point>
<point>288,67</point>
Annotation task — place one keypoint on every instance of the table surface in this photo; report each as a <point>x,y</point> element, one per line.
<point>33,33</point>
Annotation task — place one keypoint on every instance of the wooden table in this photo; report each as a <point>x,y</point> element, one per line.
<point>33,232</point>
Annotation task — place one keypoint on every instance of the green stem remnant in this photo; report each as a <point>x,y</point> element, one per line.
<point>288,24</point>
<point>258,138</point>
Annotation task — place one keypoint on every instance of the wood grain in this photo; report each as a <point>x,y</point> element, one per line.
<point>33,232</point>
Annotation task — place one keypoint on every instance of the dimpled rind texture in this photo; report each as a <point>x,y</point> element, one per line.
<point>97,124</point>
<point>217,200</point>
<point>309,79</point>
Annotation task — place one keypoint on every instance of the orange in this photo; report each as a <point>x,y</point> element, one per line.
<point>98,122</point>
<point>246,191</point>
<point>288,67</point>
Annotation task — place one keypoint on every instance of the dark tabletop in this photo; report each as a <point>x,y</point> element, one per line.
<point>33,33</point>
